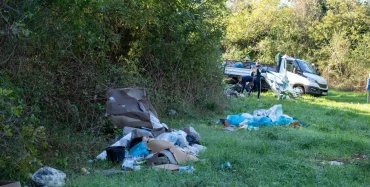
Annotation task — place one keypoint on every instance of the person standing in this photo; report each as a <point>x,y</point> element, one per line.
<point>257,80</point>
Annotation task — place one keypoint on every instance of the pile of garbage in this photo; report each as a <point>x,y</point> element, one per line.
<point>234,91</point>
<point>147,141</point>
<point>259,118</point>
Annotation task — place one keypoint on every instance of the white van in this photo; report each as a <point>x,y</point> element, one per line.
<point>302,76</point>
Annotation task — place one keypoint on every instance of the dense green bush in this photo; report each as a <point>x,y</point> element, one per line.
<point>21,135</point>
<point>61,57</point>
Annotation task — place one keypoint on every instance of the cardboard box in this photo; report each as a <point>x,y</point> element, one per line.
<point>10,184</point>
<point>130,107</point>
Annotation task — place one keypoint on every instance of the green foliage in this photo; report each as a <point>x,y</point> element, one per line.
<point>65,55</point>
<point>21,136</point>
<point>328,33</point>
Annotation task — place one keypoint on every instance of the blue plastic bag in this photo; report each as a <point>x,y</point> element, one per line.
<point>265,121</point>
<point>139,150</point>
<point>238,65</point>
<point>259,122</point>
<point>235,119</point>
<point>282,120</point>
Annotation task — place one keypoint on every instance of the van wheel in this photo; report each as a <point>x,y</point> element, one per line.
<point>299,90</point>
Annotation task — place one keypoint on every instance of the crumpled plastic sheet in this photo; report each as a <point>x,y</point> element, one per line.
<point>279,84</point>
<point>48,176</point>
<point>195,149</point>
<point>155,121</point>
<point>131,163</point>
<point>275,112</point>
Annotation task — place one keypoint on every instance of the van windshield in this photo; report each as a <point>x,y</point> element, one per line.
<point>305,66</point>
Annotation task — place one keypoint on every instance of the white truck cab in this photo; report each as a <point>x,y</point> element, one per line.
<point>302,76</point>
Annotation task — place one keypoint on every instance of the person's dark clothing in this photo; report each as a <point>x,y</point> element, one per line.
<point>256,82</point>
<point>246,79</point>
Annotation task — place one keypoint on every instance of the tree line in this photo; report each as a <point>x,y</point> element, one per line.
<point>333,34</point>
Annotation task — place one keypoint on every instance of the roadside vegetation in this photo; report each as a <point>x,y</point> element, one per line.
<point>59,58</point>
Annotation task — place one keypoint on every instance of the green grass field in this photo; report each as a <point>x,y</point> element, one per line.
<point>338,130</point>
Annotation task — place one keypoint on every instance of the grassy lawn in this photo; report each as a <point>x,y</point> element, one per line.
<point>338,130</point>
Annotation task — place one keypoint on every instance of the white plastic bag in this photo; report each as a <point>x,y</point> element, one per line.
<point>48,176</point>
<point>275,112</point>
<point>167,136</point>
<point>175,137</point>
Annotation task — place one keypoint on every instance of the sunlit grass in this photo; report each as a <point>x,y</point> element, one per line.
<point>337,130</point>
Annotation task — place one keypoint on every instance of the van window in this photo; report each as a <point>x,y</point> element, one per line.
<point>295,66</point>
<point>306,67</point>
<point>289,66</point>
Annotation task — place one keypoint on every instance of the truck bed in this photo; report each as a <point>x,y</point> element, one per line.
<point>234,72</point>
<point>229,70</point>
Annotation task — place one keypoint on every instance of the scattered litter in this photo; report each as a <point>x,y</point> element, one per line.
<point>230,128</point>
<point>85,171</point>
<point>235,128</point>
<point>252,128</point>
<point>132,163</point>
<point>195,149</point>
<point>115,153</point>
<point>361,156</point>
<point>175,137</point>
<point>226,165</point>
<point>186,169</point>
<point>190,131</point>
<point>171,167</point>
<point>234,91</point>
<point>48,176</point>
<point>333,163</point>
<point>172,112</point>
